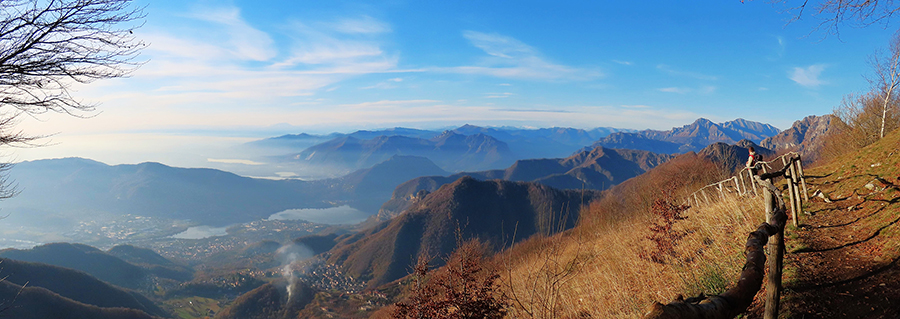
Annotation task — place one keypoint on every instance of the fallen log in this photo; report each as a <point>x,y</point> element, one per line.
<point>735,300</point>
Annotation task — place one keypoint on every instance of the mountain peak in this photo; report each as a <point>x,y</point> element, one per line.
<point>703,122</point>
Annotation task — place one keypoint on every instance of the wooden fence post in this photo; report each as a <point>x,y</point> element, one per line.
<point>776,255</point>
<point>790,189</point>
<point>802,178</point>
<point>795,177</point>
<point>706,198</point>
<point>752,182</point>
<point>736,185</point>
<point>743,184</point>
<point>721,191</point>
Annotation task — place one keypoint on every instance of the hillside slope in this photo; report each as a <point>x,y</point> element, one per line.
<point>843,261</point>
<point>598,169</point>
<point>85,258</point>
<point>498,212</point>
<point>40,303</point>
<point>60,287</point>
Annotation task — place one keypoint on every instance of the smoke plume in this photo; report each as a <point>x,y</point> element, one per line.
<point>292,254</point>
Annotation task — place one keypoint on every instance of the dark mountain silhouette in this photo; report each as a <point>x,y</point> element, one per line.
<point>59,191</point>
<point>318,243</point>
<point>139,256</point>
<point>596,169</point>
<point>498,212</point>
<point>270,301</point>
<point>154,263</point>
<point>448,150</point>
<point>804,137</point>
<point>691,137</point>
<point>58,290</point>
<point>39,303</point>
<point>85,258</point>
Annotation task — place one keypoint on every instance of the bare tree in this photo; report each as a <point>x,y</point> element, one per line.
<point>887,76</point>
<point>46,46</point>
<point>836,13</point>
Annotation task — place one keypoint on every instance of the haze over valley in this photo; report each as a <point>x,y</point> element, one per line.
<point>428,159</point>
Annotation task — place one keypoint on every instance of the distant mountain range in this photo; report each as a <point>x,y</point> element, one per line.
<point>61,191</point>
<point>497,212</point>
<point>466,148</point>
<point>597,169</point>
<point>691,137</point>
<point>448,150</point>
<point>58,193</point>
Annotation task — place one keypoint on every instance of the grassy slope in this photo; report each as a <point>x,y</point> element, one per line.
<point>597,269</point>
<point>843,262</point>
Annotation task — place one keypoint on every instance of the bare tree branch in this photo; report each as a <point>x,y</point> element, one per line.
<point>48,45</point>
<point>45,46</point>
<point>834,14</point>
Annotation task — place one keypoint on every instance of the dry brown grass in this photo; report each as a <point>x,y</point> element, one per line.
<point>596,270</point>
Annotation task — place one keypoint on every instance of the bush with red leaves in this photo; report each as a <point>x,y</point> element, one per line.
<point>464,288</point>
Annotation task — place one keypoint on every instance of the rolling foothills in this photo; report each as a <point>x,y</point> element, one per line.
<point>414,193</point>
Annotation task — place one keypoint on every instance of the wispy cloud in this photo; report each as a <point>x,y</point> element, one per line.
<point>808,76</point>
<point>386,84</point>
<point>706,89</point>
<point>671,71</point>
<point>678,90</point>
<point>623,62</point>
<point>391,102</point>
<point>236,63</point>
<point>511,58</point>
<point>498,95</point>
<point>245,41</point>
<point>361,25</point>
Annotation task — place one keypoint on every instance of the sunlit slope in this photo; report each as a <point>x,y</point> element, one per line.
<point>498,212</point>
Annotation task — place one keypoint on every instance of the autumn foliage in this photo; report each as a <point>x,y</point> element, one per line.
<point>465,288</point>
<point>663,235</point>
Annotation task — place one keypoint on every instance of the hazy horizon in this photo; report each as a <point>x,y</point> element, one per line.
<point>216,75</point>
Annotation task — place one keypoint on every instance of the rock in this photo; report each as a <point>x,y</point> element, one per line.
<point>821,195</point>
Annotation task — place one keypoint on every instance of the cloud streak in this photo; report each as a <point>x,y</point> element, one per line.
<point>699,76</point>
<point>705,90</point>
<point>808,76</point>
<point>508,57</point>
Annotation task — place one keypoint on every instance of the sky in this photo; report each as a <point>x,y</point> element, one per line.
<point>220,73</point>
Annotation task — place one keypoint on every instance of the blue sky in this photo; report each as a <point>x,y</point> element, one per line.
<point>220,72</point>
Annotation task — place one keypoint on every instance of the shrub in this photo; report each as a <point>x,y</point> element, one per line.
<point>464,288</point>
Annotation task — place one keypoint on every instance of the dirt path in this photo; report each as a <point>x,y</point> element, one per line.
<point>843,261</point>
